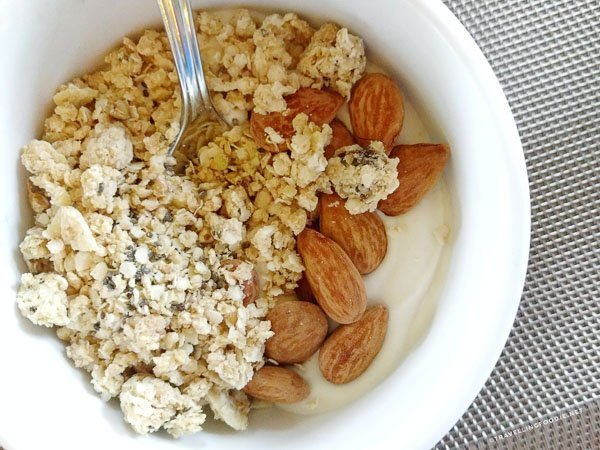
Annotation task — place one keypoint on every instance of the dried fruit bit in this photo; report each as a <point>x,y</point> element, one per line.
<point>361,236</point>
<point>277,385</point>
<point>245,273</point>
<point>336,283</point>
<point>420,167</point>
<point>351,349</point>
<point>376,110</point>
<point>272,131</point>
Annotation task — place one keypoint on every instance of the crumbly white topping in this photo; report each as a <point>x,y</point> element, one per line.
<point>254,65</point>
<point>100,184</point>
<point>188,421</point>
<point>334,58</point>
<point>43,300</point>
<point>107,146</point>
<point>363,176</point>
<point>69,228</point>
<point>149,403</point>
<point>231,407</point>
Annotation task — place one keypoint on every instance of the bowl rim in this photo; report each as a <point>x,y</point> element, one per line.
<point>465,45</point>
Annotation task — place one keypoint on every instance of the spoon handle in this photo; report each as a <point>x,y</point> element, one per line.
<point>179,24</point>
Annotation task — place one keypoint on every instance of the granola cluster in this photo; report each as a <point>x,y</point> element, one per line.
<point>137,280</point>
<point>130,253</point>
<point>363,176</point>
<point>253,66</point>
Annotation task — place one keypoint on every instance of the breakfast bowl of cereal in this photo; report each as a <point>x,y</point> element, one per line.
<point>337,262</point>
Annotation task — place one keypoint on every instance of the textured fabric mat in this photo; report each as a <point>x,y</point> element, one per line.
<point>546,54</point>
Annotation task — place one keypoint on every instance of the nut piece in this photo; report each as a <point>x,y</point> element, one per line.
<point>300,329</point>
<point>350,349</point>
<point>40,265</point>
<point>340,137</point>
<point>361,236</point>
<point>320,106</point>
<point>37,200</point>
<point>420,167</point>
<point>277,385</point>
<point>250,287</point>
<point>336,283</point>
<point>376,110</point>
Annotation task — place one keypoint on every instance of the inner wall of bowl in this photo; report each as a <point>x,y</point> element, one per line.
<point>67,39</point>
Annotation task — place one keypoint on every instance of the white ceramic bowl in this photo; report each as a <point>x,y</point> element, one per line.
<point>42,402</point>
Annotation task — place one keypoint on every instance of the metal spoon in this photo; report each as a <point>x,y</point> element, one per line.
<point>179,24</point>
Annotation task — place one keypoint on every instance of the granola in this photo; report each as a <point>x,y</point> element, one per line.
<point>130,252</point>
<point>363,176</point>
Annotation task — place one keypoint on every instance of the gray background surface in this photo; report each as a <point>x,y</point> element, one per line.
<point>546,54</point>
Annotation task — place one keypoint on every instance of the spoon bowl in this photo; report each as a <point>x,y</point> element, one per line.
<point>197,105</point>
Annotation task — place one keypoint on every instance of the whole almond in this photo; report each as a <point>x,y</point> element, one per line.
<point>277,385</point>
<point>420,167</point>
<point>320,106</point>
<point>333,278</point>
<point>340,137</point>
<point>376,110</point>
<point>299,327</point>
<point>351,349</point>
<point>250,287</point>
<point>361,236</point>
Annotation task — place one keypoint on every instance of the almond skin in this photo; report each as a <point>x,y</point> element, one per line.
<point>351,349</point>
<point>277,385</point>
<point>420,167</point>
<point>361,236</point>
<point>300,329</point>
<point>376,110</point>
<point>333,278</point>
<point>320,106</point>
<point>340,137</point>
<point>303,291</point>
<point>313,218</point>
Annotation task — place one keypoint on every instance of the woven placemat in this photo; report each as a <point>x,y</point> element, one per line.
<point>546,54</point>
